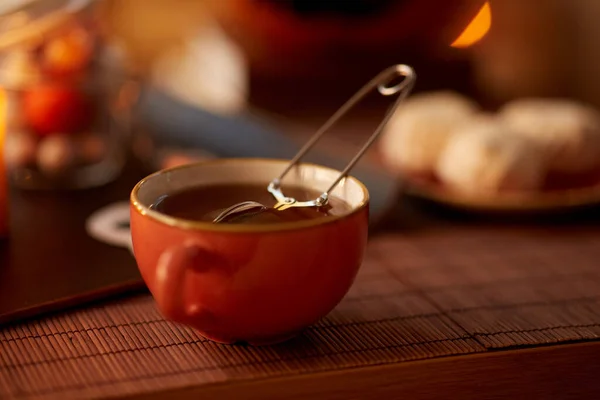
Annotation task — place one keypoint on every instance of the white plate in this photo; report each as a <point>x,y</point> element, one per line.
<point>548,200</point>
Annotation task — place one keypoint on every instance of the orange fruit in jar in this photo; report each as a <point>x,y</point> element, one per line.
<point>68,53</point>
<point>52,108</point>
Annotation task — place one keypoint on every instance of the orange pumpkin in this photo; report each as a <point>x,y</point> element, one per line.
<point>289,36</point>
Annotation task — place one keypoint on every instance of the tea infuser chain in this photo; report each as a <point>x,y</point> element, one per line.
<point>380,82</point>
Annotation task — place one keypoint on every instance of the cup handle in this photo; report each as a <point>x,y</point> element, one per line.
<point>171,270</point>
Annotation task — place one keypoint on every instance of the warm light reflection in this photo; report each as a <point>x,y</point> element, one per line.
<point>477,28</point>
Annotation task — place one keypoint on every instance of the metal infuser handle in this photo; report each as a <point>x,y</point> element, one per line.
<point>379,82</point>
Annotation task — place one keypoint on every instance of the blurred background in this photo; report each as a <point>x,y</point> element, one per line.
<point>195,74</point>
<point>536,47</point>
<point>302,59</point>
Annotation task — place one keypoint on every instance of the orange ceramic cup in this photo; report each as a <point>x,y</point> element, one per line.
<point>259,284</point>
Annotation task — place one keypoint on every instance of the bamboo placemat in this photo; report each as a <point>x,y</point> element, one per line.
<point>418,296</point>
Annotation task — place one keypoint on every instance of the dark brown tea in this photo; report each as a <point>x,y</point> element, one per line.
<point>204,203</point>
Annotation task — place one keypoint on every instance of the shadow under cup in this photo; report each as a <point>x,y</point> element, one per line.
<point>259,284</point>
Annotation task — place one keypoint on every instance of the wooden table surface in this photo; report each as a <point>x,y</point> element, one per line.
<point>555,372</point>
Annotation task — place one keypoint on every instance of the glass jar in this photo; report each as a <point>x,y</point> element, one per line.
<point>60,80</point>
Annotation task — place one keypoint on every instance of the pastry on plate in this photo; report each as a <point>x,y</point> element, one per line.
<point>419,130</point>
<point>567,132</point>
<point>484,157</point>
